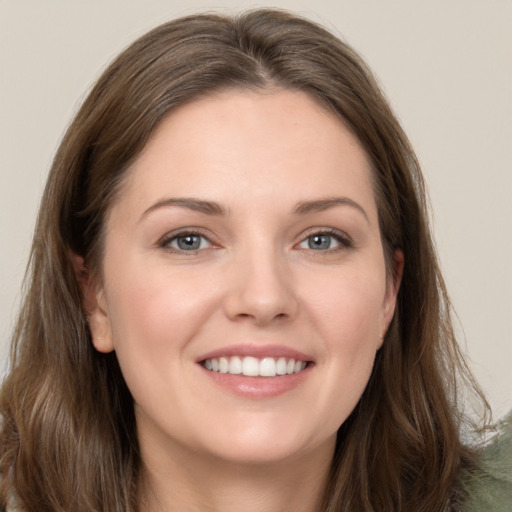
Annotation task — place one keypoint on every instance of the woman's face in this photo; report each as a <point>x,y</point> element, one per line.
<point>245,239</point>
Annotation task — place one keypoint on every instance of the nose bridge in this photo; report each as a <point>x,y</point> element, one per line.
<point>262,288</point>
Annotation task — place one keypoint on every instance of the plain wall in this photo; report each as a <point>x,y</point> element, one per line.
<point>445,65</point>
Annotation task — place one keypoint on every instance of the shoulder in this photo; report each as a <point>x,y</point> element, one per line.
<point>489,487</point>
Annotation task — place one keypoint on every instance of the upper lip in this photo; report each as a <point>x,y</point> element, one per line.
<point>258,351</point>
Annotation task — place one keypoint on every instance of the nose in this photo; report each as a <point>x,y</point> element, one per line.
<point>261,289</point>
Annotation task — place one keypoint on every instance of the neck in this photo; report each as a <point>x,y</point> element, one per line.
<point>185,482</point>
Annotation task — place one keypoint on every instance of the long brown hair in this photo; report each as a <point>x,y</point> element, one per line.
<point>68,437</point>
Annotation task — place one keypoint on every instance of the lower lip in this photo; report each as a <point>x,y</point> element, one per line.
<point>257,387</point>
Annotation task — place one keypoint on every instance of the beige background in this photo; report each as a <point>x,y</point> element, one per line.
<point>446,65</point>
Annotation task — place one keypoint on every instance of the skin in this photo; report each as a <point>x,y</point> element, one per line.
<point>255,280</point>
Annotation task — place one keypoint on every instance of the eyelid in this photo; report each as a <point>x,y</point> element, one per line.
<point>342,237</point>
<point>164,241</point>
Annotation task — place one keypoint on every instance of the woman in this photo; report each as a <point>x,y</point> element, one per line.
<point>234,299</point>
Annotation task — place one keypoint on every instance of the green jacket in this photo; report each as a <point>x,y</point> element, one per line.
<point>489,488</point>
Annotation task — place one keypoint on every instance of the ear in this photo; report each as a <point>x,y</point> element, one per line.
<point>392,288</point>
<point>94,305</point>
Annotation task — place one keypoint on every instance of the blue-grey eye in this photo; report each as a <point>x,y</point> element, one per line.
<point>320,242</point>
<point>189,242</point>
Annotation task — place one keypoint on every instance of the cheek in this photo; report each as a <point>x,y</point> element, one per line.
<point>154,298</point>
<point>348,308</point>
<point>154,314</point>
<point>348,318</point>
<point>352,340</point>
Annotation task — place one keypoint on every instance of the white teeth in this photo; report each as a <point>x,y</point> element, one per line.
<point>223,365</point>
<point>254,367</point>
<point>235,365</point>
<point>250,367</point>
<point>281,366</point>
<point>268,367</point>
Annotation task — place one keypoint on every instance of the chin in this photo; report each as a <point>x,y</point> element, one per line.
<point>259,444</point>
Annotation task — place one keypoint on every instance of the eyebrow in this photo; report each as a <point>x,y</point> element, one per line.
<point>216,209</point>
<point>320,205</point>
<point>197,205</point>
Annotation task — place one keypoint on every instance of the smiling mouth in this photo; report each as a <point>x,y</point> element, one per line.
<point>255,367</point>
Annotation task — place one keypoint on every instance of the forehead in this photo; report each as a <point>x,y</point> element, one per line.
<point>236,145</point>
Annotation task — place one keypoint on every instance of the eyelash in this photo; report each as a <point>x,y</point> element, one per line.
<point>342,239</point>
<point>168,239</point>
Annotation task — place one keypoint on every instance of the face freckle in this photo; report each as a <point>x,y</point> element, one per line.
<point>246,234</point>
